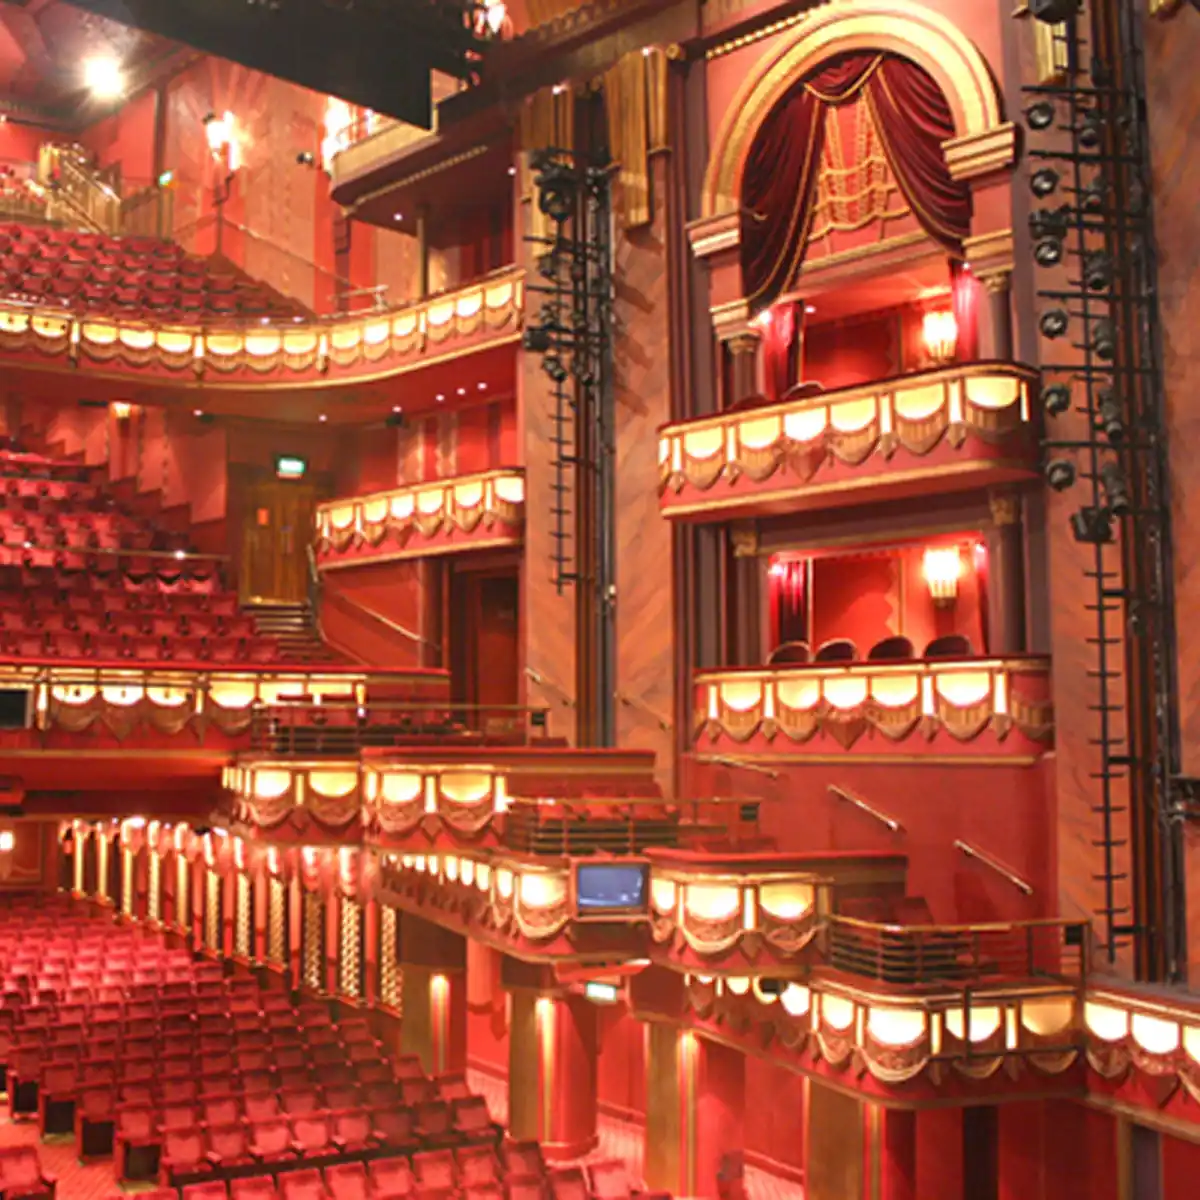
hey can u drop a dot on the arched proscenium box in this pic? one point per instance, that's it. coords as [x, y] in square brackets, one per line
[984, 143]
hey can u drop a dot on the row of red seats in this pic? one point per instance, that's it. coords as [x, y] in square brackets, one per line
[130, 623]
[22, 1176]
[49, 494]
[88, 242]
[107, 648]
[117, 592]
[23, 464]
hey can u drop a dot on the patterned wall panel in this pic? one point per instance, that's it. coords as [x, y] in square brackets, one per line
[212, 911]
[314, 942]
[243, 917]
[154, 887]
[391, 977]
[350, 952]
[277, 922]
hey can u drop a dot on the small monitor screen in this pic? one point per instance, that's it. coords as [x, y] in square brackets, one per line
[610, 887]
[14, 709]
[289, 466]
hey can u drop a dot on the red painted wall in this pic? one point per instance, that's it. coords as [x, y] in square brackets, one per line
[487, 1011]
[621, 1067]
[127, 137]
[1180, 1168]
[19, 143]
[775, 1112]
[1058, 1150]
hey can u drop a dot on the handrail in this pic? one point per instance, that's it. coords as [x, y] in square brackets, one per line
[564, 696]
[726, 760]
[633, 702]
[394, 626]
[863, 806]
[994, 864]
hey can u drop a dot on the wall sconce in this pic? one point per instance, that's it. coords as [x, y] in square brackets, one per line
[221, 133]
[491, 19]
[121, 410]
[943, 569]
[939, 330]
[7, 841]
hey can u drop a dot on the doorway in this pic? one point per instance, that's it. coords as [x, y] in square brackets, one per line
[276, 529]
[484, 651]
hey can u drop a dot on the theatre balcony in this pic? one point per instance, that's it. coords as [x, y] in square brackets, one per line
[447, 516]
[960, 707]
[952, 429]
[911, 1012]
[230, 354]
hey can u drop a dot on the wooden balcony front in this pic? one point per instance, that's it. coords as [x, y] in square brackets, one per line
[961, 707]
[954, 429]
[445, 516]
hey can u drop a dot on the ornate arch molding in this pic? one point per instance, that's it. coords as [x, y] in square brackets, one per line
[984, 142]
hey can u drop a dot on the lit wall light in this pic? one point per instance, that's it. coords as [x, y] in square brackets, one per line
[7, 841]
[221, 132]
[121, 410]
[943, 569]
[939, 331]
[104, 78]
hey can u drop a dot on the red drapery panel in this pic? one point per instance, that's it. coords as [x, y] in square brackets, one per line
[779, 184]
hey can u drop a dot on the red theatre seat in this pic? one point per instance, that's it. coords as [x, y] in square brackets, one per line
[229, 1147]
[184, 1156]
[211, 1189]
[271, 1140]
[137, 1143]
[254, 1187]
[21, 1175]
[348, 1181]
[302, 1185]
[392, 1179]
[568, 1183]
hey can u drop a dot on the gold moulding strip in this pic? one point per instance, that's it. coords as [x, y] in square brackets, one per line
[376, 339]
[915, 413]
[961, 696]
[462, 504]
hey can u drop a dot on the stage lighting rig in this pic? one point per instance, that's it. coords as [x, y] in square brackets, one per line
[1054, 323]
[1092, 525]
[1044, 182]
[1104, 340]
[1056, 399]
[1109, 416]
[1116, 490]
[1060, 474]
[1097, 270]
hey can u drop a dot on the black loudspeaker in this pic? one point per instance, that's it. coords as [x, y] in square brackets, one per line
[1053, 12]
[395, 421]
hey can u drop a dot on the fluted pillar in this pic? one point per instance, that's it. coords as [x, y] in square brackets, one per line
[747, 613]
[996, 326]
[1006, 575]
[743, 351]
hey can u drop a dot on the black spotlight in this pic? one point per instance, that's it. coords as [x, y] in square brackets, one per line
[557, 187]
[1043, 182]
[1091, 130]
[1048, 252]
[1104, 340]
[1053, 12]
[1060, 473]
[1109, 416]
[1116, 490]
[306, 158]
[536, 340]
[1050, 222]
[1053, 323]
[1093, 197]
[395, 420]
[1097, 271]
[1092, 526]
[553, 367]
[1056, 399]
[1040, 115]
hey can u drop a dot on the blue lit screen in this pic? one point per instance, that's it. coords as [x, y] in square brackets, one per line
[610, 887]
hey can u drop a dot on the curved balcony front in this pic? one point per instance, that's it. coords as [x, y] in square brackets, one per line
[230, 356]
[953, 429]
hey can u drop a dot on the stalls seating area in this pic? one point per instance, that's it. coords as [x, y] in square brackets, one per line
[895, 648]
[82, 578]
[128, 277]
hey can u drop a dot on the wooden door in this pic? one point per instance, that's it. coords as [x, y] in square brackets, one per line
[277, 529]
[484, 649]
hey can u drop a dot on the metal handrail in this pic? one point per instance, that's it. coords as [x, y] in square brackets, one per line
[566, 699]
[395, 626]
[727, 760]
[863, 806]
[994, 864]
[642, 706]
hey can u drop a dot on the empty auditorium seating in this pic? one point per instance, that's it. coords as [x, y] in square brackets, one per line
[21, 1175]
[138, 278]
[83, 579]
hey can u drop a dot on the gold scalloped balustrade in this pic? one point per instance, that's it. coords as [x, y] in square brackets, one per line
[873, 430]
[126, 702]
[442, 516]
[849, 705]
[360, 346]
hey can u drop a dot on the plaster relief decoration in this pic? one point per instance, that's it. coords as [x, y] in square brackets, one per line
[801, 704]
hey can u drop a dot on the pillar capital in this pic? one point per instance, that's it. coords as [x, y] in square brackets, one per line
[996, 281]
[1005, 508]
[744, 540]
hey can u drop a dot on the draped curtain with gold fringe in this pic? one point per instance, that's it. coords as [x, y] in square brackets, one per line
[547, 122]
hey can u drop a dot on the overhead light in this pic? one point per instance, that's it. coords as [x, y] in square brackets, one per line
[322, 417]
[440, 397]
[512, 170]
[197, 412]
[104, 78]
[482, 387]
[810, 309]
[1060, 474]
[396, 408]
[397, 216]
[462, 391]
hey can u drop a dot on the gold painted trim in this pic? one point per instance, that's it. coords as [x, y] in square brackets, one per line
[1189, 1131]
[748, 39]
[892, 760]
[928, 38]
[988, 253]
[881, 479]
[981, 153]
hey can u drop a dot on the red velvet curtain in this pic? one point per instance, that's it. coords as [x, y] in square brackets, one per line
[778, 332]
[912, 118]
[964, 294]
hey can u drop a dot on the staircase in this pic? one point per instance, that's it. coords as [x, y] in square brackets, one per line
[292, 626]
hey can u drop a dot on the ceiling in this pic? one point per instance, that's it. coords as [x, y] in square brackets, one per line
[43, 47]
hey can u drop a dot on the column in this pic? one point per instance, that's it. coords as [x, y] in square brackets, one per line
[892, 1152]
[1006, 575]
[434, 1027]
[552, 1072]
[742, 349]
[835, 1146]
[747, 614]
[695, 1113]
[995, 326]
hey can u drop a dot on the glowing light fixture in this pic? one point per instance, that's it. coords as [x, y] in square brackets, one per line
[599, 992]
[121, 410]
[221, 132]
[104, 78]
[943, 568]
[939, 331]
[7, 841]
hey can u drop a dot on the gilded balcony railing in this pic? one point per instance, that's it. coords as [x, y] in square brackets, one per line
[970, 413]
[435, 517]
[842, 702]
